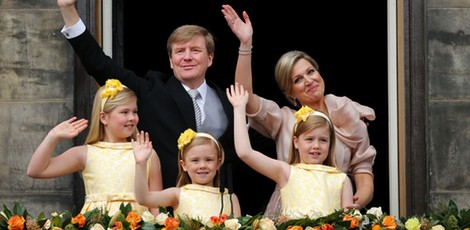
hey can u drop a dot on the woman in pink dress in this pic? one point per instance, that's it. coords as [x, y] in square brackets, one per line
[297, 75]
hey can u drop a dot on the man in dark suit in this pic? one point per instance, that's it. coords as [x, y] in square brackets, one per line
[165, 107]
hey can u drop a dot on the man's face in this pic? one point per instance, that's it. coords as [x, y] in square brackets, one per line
[190, 61]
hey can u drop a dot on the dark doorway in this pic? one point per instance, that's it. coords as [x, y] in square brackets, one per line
[348, 39]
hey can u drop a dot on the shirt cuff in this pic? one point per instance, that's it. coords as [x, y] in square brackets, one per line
[74, 30]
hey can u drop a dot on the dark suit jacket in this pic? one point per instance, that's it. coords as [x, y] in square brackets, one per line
[165, 108]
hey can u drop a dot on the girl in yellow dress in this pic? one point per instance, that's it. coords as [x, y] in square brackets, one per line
[106, 162]
[311, 184]
[197, 195]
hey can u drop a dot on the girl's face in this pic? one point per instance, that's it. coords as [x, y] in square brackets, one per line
[201, 163]
[313, 145]
[121, 122]
[307, 84]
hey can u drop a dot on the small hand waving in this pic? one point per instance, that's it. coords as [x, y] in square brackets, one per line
[70, 128]
[237, 95]
[142, 147]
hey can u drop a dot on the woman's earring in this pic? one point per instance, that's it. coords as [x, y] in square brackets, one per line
[294, 101]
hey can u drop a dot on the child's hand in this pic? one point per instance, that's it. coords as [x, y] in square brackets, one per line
[237, 95]
[69, 128]
[142, 147]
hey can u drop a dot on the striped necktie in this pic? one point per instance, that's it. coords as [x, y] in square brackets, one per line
[197, 111]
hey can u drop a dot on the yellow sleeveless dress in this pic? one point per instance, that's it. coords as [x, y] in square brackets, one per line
[200, 202]
[312, 191]
[109, 177]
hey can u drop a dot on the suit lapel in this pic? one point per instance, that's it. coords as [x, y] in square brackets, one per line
[183, 102]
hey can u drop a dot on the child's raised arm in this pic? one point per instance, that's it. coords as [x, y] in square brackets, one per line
[271, 168]
[143, 150]
[42, 165]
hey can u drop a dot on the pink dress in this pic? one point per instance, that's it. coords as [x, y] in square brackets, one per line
[354, 154]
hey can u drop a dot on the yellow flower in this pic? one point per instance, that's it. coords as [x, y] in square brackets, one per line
[267, 224]
[232, 224]
[112, 87]
[303, 113]
[185, 138]
[412, 224]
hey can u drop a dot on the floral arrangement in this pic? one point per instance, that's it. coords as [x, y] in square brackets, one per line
[444, 217]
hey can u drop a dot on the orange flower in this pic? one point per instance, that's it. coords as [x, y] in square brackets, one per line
[376, 227]
[353, 219]
[296, 227]
[218, 220]
[389, 222]
[16, 223]
[214, 220]
[80, 220]
[171, 223]
[118, 226]
[134, 219]
[223, 217]
[327, 227]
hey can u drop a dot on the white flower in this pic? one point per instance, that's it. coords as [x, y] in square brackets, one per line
[375, 211]
[148, 217]
[48, 224]
[97, 227]
[357, 214]
[266, 224]
[208, 223]
[160, 219]
[232, 224]
[438, 227]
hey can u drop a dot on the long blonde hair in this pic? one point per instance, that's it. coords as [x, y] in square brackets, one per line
[96, 132]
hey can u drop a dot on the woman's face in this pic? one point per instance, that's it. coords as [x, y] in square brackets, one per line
[308, 86]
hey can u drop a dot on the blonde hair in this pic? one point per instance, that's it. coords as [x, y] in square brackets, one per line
[283, 71]
[314, 120]
[187, 32]
[199, 139]
[96, 132]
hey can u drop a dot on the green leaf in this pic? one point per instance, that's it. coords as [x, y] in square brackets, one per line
[148, 226]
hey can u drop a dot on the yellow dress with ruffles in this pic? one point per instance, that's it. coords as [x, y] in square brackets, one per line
[109, 177]
[313, 191]
[200, 202]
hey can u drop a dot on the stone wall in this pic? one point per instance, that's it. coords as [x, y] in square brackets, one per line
[36, 93]
[448, 124]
